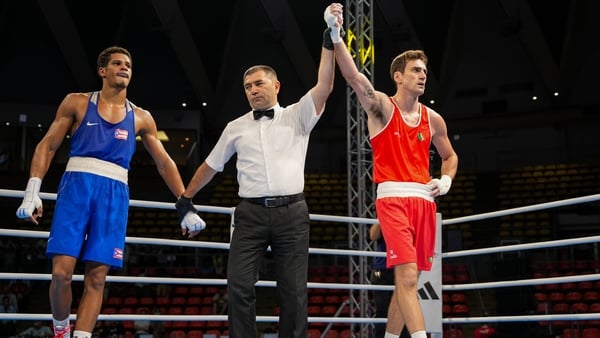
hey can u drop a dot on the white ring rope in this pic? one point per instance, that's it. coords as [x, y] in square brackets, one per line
[527, 246]
[529, 208]
[315, 217]
[274, 319]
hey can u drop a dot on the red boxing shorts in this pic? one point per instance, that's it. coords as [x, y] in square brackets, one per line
[408, 225]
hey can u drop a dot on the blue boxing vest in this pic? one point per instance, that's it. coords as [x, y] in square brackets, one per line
[98, 138]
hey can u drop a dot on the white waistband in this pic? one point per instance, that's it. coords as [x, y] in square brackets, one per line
[98, 167]
[403, 189]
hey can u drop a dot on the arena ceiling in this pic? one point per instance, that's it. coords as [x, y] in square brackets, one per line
[488, 59]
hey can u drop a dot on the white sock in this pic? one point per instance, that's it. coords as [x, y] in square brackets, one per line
[419, 334]
[81, 334]
[391, 335]
[61, 323]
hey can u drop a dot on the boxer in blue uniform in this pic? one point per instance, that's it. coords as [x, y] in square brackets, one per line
[95, 180]
[90, 215]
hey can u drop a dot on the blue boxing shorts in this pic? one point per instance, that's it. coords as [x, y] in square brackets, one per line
[90, 219]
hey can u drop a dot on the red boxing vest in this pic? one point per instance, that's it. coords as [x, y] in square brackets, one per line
[400, 151]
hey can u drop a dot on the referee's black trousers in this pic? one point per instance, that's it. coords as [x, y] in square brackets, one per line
[286, 230]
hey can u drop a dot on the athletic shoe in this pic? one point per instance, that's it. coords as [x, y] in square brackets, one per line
[62, 332]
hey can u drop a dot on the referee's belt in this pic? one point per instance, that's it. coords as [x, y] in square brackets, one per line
[276, 201]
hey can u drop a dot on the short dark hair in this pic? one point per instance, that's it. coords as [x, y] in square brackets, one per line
[400, 61]
[267, 69]
[104, 56]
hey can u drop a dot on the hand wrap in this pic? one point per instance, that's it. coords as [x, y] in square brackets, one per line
[334, 28]
[31, 200]
[188, 215]
[443, 184]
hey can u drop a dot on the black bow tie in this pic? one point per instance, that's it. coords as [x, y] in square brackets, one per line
[259, 113]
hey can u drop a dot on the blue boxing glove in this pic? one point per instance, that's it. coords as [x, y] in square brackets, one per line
[189, 220]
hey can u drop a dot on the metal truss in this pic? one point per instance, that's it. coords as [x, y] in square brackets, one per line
[358, 20]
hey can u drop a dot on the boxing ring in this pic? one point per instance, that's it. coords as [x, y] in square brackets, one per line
[432, 308]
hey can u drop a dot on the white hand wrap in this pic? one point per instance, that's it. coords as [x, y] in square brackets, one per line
[335, 35]
[332, 22]
[31, 200]
[329, 18]
[192, 222]
[443, 183]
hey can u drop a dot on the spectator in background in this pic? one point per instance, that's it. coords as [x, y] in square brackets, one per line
[206, 268]
[9, 256]
[37, 330]
[158, 326]
[142, 326]
[110, 329]
[220, 302]
[12, 297]
[163, 290]
[219, 265]
[8, 328]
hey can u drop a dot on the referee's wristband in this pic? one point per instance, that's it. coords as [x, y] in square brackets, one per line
[327, 42]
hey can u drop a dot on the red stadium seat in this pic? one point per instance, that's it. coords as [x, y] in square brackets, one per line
[557, 296]
[460, 309]
[314, 333]
[177, 334]
[332, 334]
[540, 296]
[591, 332]
[163, 300]
[191, 310]
[328, 310]
[458, 297]
[194, 334]
[573, 296]
[314, 310]
[316, 300]
[143, 310]
[561, 308]
[114, 300]
[130, 301]
[181, 325]
[543, 308]
[146, 300]
[196, 290]
[345, 334]
[446, 310]
[180, 290]
[109, 310]
[447, 278]
[212, 333]
[126, 310]
[591, 296]
[579, 307]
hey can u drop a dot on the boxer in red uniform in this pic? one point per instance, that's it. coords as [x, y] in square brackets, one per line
[401, 131]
